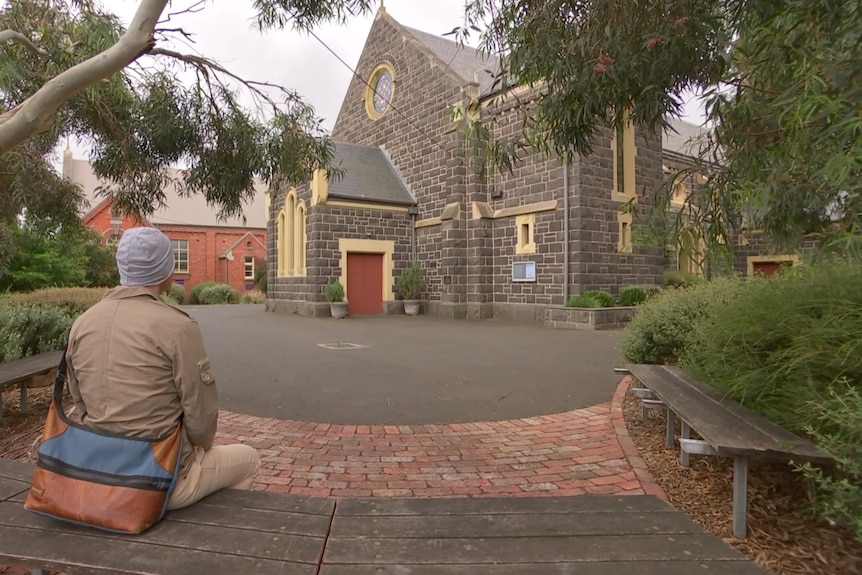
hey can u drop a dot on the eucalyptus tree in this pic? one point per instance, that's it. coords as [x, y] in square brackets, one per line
[69, 69]
[781, 82]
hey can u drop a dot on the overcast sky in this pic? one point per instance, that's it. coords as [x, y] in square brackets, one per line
[225, 31]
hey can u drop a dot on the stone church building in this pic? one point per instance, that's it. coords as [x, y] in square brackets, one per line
[510, 245]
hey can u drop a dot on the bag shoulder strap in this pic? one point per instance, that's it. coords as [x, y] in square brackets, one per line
[60, 378]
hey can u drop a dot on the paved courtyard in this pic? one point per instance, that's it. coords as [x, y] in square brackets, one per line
[398, 406]
[404, 370]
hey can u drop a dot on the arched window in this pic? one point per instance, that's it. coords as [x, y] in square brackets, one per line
[300, 239]
[281, 244]
[290, 252]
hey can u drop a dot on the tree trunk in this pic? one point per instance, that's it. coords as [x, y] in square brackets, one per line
[36, 113]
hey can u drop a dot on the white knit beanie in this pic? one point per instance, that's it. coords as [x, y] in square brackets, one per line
[144, 257]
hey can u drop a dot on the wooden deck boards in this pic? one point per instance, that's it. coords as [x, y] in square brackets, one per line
[251, 532]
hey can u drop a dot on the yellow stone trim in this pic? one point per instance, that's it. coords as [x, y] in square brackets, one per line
[526, 209]
[369, 90]
[385, 247]
[291, 242]
[361, 205]
[290, 232]
[300, 241]
[678, 193]
[451, 212]
[280, 247]
[525, 227]
[778, 258]
[626, 191]
[267, 203]
[429, 222]
[482, 210]
[319, 187]
[624, 243]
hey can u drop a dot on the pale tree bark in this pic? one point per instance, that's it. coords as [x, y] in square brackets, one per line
[36, 113]
[13, 36]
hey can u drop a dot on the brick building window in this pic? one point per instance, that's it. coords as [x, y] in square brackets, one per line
[181, 256]
[249, 268]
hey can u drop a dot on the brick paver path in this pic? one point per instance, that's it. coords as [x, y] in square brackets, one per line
[585, 451]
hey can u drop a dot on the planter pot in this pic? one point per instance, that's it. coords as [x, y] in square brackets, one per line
[412, 306]
[338, 309]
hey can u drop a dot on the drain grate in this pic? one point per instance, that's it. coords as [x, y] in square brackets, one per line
[341, 345]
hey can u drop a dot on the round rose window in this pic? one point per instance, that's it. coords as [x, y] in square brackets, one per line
[382, 92]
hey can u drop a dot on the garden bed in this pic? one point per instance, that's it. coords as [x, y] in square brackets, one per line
[588, 318]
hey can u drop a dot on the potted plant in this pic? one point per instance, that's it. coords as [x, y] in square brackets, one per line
[334, 292]
[410, 284]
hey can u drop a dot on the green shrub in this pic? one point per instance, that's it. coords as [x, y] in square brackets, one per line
[835, 425]
[606, 299]
[253, 297]
[633, 296]
[677, 278]
[260, 280]
[663, 324]
[31, 329]
[410, 283]
[218, 294]
[584, 300]
[176, 294]
[195, 297]
[781, 342]
[74, 301]
[334, 291]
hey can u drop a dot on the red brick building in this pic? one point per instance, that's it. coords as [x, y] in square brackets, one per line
[205, 249]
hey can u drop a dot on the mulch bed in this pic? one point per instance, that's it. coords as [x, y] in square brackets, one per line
[19, 430]
[783, 536]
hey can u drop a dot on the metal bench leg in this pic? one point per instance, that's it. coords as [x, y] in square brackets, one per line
[39, 572]
[23, 405]
[685, 433]
[740, 496]
[671, 425]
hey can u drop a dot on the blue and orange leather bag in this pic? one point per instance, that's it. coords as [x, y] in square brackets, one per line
[103, 480]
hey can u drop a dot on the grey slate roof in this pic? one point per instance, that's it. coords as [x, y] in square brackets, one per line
[684, 138]
[369, 176]
[465, 61]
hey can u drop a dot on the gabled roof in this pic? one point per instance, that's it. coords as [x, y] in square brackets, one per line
[369, 176]
[179, 209]
[467, 62]
[246, 236]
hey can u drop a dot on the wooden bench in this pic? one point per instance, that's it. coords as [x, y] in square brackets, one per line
[33, 371]
[727, 428]
[252, 532]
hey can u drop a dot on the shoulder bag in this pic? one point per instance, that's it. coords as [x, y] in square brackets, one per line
[99, 479]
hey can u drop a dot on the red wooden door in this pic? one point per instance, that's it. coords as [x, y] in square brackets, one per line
[365, 283]
[767, 268]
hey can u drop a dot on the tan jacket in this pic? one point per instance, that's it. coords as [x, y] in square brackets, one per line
[136, 365]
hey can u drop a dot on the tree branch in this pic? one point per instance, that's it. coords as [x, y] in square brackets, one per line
[193, 9]
[205, 65]
[36, 113]
[13, 36]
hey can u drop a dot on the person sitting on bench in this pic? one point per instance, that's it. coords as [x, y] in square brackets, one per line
[137, 366]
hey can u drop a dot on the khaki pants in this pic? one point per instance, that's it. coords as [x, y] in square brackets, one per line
[222, 466]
